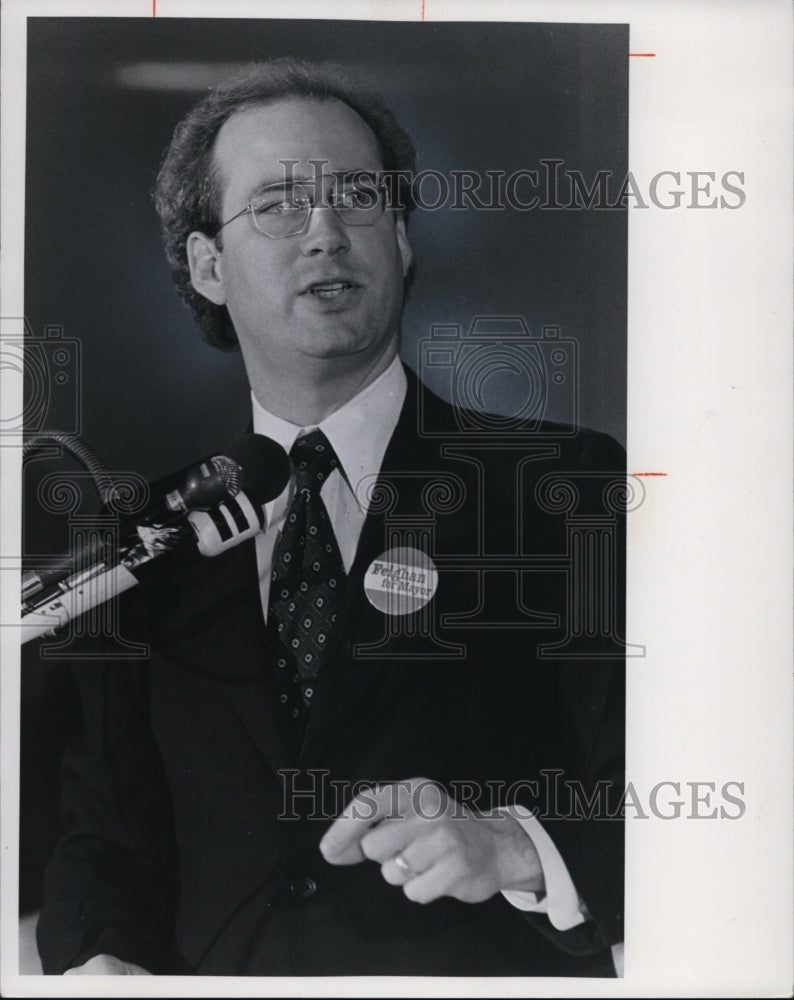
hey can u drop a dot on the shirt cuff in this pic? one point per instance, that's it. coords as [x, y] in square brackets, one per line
[561, 902]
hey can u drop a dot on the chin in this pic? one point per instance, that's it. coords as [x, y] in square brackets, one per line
[341, 344]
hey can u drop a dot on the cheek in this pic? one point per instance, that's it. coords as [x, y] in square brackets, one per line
[385, 258]
[255, 283]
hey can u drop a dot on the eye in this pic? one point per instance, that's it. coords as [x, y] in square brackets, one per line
[281, 203]
[357, 197]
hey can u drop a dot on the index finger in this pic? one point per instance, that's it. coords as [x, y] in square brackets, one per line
[341, 843]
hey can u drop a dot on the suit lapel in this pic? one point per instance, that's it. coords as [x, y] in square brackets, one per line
[219, 632]
[409, 464]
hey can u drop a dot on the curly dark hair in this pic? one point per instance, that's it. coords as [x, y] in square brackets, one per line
[187, 194]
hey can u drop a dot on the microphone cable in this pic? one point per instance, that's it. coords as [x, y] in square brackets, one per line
[78, 449]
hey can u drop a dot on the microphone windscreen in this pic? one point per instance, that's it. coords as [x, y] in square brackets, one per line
[265, 466]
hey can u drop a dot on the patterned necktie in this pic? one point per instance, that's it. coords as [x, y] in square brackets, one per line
[307, 580]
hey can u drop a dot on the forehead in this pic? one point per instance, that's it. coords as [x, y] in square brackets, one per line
[252, 143]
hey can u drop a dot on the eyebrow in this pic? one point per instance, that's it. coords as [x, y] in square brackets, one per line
[266, 186]
[287, 183]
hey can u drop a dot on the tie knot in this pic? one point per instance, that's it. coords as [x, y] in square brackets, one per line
[314, 459]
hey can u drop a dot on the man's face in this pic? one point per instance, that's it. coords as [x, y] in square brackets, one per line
[332, 293]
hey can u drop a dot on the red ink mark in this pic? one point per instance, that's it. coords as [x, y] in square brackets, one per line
[649, 473]
[642, 55]
[423, 10]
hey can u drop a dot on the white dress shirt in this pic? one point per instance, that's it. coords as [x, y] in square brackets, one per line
[359, 432]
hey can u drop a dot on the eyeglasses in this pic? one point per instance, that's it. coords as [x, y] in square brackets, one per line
[285, 209]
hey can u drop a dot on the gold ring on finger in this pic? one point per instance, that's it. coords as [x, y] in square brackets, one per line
[404, 867]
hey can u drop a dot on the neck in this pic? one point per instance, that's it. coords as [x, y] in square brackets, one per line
[317, 389]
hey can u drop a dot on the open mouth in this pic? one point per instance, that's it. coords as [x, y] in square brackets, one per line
[330, 289]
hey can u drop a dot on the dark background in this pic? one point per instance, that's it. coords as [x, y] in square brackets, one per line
[103, 96]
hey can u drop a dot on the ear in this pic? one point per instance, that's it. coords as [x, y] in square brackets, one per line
[206, 272]
[406, 253]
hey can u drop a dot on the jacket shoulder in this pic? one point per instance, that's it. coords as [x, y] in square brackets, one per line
[573, 446]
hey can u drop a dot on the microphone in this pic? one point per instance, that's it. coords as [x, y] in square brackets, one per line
[224, 498]
[254, 465]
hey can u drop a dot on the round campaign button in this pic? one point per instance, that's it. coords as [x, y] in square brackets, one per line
[401, 581]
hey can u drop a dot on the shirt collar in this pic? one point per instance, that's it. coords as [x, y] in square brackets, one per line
[358, 432]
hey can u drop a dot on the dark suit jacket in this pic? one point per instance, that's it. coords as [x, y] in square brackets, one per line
[191, 840]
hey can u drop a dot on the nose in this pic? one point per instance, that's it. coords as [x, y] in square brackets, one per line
[325, 233]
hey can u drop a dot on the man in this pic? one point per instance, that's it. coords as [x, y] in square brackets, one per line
[310, 775]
